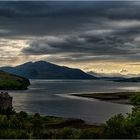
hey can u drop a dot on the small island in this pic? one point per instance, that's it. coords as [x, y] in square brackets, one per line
[12, 82]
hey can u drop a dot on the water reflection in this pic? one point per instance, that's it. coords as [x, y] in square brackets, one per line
[51, 97]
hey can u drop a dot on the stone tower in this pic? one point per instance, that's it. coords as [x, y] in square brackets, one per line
[5, 101]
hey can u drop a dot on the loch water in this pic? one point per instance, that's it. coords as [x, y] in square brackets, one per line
[53, 97]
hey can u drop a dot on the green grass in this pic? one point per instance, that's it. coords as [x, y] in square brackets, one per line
[10, 81]
[21, 126]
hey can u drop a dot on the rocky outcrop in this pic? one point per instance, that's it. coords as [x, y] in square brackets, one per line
[5, 101]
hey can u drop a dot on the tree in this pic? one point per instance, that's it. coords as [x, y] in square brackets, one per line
[125, 127]
[135, 99]
[37, 125]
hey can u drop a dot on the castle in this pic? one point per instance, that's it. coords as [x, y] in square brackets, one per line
[5, 101]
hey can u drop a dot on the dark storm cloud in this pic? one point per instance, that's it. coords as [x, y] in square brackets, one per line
[114, 9]
[43, 18]
[54, 9]
[110, 45]
[94, 45]
[76, 31]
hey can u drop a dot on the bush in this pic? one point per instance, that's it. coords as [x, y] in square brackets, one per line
[13, 134]
[91, 133]
[115, 127]
[23, 114]
[135, 99]
[67, 133]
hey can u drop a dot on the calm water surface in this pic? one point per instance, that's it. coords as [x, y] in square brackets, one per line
[51, 97]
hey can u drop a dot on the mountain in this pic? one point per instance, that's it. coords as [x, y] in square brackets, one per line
[110, 77]
[116, 77]
[11, 82]
[45, 70]
[133, 79]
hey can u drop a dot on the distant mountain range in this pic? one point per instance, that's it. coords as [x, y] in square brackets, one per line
[103, 76]
[115, 77]
[45, 70]
[133, 79]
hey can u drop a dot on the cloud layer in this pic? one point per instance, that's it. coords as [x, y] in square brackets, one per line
[71, 32]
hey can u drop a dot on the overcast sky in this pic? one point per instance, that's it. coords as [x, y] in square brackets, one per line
[94, 36]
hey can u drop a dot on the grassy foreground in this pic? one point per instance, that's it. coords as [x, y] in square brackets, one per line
[23, 126]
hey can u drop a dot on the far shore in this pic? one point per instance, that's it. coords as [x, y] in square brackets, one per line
[116, 97]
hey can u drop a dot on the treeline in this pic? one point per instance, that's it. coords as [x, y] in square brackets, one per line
[120, 127]
[24, 126]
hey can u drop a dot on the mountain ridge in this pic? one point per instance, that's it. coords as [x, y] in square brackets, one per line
[116, 77]
[47, 70]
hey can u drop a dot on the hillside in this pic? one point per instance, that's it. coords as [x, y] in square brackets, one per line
[133, 79]
[103, 76]
[116, 77]
[45, 70]
[12, 82]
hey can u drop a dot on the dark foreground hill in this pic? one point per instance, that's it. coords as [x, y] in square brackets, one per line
[45, 70]
[11, 82]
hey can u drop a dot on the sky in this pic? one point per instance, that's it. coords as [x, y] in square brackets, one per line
[98, 36]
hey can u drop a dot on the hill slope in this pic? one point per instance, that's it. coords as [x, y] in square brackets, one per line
[133, 79]
[45, 70]
[10, 81]
[104, 76]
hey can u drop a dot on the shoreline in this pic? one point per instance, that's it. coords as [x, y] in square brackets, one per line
[116, 97]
